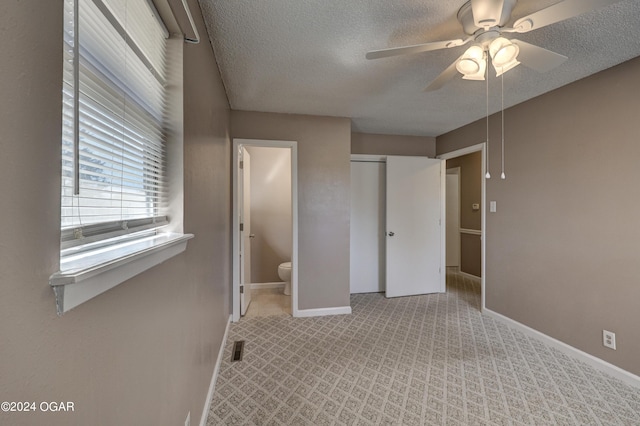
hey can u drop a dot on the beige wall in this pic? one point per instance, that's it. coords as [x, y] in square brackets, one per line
[471, 254]
[470, 193]
[562, 253]
[142, 353]
[323, 198]
[270, 212]
[366, 143]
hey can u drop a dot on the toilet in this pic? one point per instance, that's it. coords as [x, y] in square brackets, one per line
[284, 272]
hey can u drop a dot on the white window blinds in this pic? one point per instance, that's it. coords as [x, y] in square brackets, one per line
[113, 140]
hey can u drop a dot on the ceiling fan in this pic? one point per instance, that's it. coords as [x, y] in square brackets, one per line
[483, 21]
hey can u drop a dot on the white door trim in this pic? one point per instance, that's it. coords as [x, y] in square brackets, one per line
[293, 145]
[459, 153]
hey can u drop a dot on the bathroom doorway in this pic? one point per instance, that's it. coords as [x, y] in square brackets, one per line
[262, 246]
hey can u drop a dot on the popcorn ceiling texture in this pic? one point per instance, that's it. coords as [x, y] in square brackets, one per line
[307, 57]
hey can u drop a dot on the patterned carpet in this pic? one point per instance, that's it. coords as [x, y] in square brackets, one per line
[422, 360]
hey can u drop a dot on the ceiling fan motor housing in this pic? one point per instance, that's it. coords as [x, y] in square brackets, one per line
[475, 15]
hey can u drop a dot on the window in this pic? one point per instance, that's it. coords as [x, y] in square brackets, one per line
[113, 144]
[114, 136]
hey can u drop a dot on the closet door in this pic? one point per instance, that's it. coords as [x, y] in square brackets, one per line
[367, 227]
[415, 226]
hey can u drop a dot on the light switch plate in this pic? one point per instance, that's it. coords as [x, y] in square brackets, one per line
[492, 206]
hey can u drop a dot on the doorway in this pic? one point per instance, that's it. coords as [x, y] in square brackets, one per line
[468, 233]
[242, 234]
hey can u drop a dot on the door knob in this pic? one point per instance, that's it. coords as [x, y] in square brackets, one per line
[252, 235]
[391, 234]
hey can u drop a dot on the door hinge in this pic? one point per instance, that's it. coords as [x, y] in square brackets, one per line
[241, 164]
[241, 227]
[241, 289]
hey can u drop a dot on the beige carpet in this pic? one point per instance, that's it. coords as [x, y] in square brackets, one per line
[422, 360]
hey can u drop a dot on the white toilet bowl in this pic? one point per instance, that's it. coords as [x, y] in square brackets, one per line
[284, 272]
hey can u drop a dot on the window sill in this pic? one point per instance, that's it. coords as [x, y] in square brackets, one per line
[84, 276]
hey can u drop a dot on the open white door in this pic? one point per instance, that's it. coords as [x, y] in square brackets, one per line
[244, 187]
[415, 228]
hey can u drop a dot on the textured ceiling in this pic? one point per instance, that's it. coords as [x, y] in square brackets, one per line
[308, 57]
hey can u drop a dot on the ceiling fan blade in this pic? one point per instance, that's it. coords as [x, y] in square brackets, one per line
[558, 12]
[443, 78]
[537, 58]
[416, 48]
[486, 13]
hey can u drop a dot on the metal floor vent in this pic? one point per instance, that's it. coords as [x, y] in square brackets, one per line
[238, 347]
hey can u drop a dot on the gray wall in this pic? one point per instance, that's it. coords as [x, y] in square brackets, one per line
[142, 353]
[270, 212]
[470, 193]
[367, 143]
[323, 198]
[562, 248]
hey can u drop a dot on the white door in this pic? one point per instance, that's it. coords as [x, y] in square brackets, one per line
[415, 238]
[244, 187]
[367, 227]
[453, 217]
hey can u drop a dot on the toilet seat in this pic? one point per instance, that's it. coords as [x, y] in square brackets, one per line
[285, 265]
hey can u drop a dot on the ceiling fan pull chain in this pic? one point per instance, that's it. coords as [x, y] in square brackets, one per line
[487, 175]
[502, 176]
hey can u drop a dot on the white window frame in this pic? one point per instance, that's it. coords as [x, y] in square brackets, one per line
[94, 267]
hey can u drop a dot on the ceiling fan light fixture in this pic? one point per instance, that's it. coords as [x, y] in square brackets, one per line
[503, 52]
[468, 66]
[504, 55]
[472, 64]
[479, 75]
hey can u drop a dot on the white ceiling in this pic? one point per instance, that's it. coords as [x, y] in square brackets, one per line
[308, 57]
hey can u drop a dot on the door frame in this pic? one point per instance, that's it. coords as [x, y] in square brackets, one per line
[483, 240]
[235, 222]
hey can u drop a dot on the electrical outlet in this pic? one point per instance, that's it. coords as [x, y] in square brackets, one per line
[609, 339]
[187, 422]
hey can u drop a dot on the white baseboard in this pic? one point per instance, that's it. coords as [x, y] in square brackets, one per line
[319, 312]
[604, 366]
[214, 377]
[257, 286]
